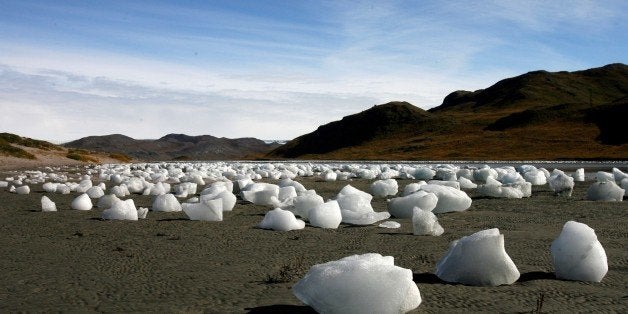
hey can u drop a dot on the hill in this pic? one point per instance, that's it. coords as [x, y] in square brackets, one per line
[537, 115]
[175, 147]
[17, 152]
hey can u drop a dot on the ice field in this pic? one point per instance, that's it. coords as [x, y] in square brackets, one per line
[418, 201]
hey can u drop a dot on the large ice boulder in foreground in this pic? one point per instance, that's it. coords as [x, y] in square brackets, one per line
[325, 215]
[206, 210]
[166, 203]
[383, 188]
[605, 191]
[281, 220]
[578, 255]
[478, 260]
[401, 207]
[368, 283]
[121, 210]
[47, 205]
[424, 222]
[561, 184]
[82, 202]
[356, 209]
[449, 199]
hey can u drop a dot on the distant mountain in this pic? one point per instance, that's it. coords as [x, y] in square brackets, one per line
[175, 147]
[537, 115]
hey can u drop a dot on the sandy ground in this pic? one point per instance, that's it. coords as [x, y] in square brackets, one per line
[73, 261]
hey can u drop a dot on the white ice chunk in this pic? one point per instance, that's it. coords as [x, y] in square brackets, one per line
[166, 203]
[326, 215]
[479, 259]
[602, 176]
[95, 192]
[47, 205]
[424, 222]
[578, 176]
[302, 204]
[449, 199]
[368, 283]
[466, 183]
[561, 184]
[281, 220]
[23, 190]
[206, 210]
[402, 207]
[605, 191]
[82, 202]
[578, 255]
[383, 188]
[390, 225]
[453, 184]
[412, 187]
[121, 210]
[142, 212]
[355, 206]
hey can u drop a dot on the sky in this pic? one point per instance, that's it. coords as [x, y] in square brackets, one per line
[273, 69]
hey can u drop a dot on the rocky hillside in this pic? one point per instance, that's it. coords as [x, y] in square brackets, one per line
[175, 147]
[537, 115]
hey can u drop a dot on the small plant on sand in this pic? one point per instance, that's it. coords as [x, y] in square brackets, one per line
[287, 272]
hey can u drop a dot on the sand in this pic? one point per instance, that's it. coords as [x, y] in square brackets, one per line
[73, 261]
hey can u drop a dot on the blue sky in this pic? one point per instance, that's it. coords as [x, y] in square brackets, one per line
[273, 69]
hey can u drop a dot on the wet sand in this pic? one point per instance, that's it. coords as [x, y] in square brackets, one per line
[73, 261]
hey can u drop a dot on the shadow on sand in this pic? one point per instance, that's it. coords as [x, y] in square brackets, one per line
[280, 308]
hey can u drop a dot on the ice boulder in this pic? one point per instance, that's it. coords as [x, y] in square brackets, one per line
[494, 188]
[63, 189]
[106, 201]
[22, 190]
[82, 202]
[50, 187]
[47, 205]
[578, 255]
[166, 203]
[95, 192]
[302, 204]
[466, 183]
[326, 215]
[619, 175]
[479, 259]
[624, 184]
[390, 225]
[561, 184]
[120, 210]
[536, 177]
[281, 220]
[368, 283]
[402, 207]
[4, 184]
[578, 176]
[412, 187]
[605, 191]
[142, 212]
[206, 210]
[424, 222]
[356, 209]
[330, 176]
[383, 188]
[603, 176]
[228, 199]
[261, 194]
[453, 184]
[449, 199]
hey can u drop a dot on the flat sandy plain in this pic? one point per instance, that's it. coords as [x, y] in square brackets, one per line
[72, 261]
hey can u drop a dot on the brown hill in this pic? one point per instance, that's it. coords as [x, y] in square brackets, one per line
[354, 130]
[175, 147]
[17, 152]
[537, 115]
